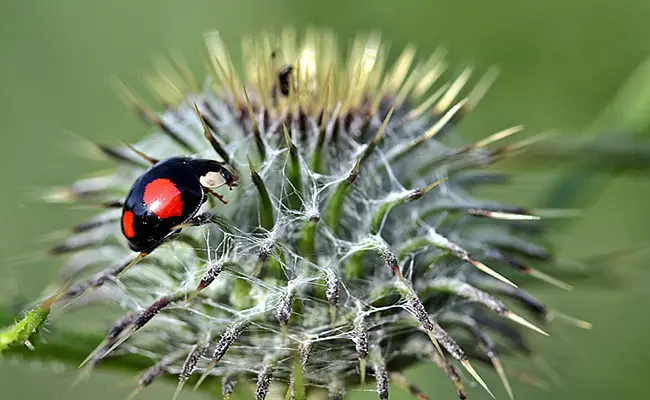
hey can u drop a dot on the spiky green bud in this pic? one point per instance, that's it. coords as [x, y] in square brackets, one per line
[352, 246]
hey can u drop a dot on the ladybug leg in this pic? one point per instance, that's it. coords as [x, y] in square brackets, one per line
[197, 220]
[137, 259]
[218, 196]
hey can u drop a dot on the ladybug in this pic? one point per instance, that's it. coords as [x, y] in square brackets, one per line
[168, 196]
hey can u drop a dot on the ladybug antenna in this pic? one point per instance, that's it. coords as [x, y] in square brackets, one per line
[141, 154]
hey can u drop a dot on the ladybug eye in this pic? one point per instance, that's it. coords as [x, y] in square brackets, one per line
[227, 175]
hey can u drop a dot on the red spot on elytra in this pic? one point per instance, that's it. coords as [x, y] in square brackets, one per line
[163, 198]
[127, 224]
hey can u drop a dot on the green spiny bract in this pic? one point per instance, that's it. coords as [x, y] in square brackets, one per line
[352, 245]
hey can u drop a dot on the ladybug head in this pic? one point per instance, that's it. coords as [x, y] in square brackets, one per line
[213, 174]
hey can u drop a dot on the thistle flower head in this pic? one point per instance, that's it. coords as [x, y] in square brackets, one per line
[351, 246]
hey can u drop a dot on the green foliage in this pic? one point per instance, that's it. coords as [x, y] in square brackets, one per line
[617, 142]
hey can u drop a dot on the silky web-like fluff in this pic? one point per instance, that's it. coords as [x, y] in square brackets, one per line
[352, 247]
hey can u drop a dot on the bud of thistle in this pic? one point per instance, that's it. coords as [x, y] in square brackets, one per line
[334, 237]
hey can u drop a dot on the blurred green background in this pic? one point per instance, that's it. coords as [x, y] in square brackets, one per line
[562, 62]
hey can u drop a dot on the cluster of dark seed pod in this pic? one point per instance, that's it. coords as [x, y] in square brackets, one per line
[352, 246]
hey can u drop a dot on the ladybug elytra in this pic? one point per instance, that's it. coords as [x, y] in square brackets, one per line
[169, 195]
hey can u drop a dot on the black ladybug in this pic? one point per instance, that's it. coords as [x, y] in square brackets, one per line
[169, 195]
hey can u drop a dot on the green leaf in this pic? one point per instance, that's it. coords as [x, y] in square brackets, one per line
[267, 218]
[627, 117]
[293, 173]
